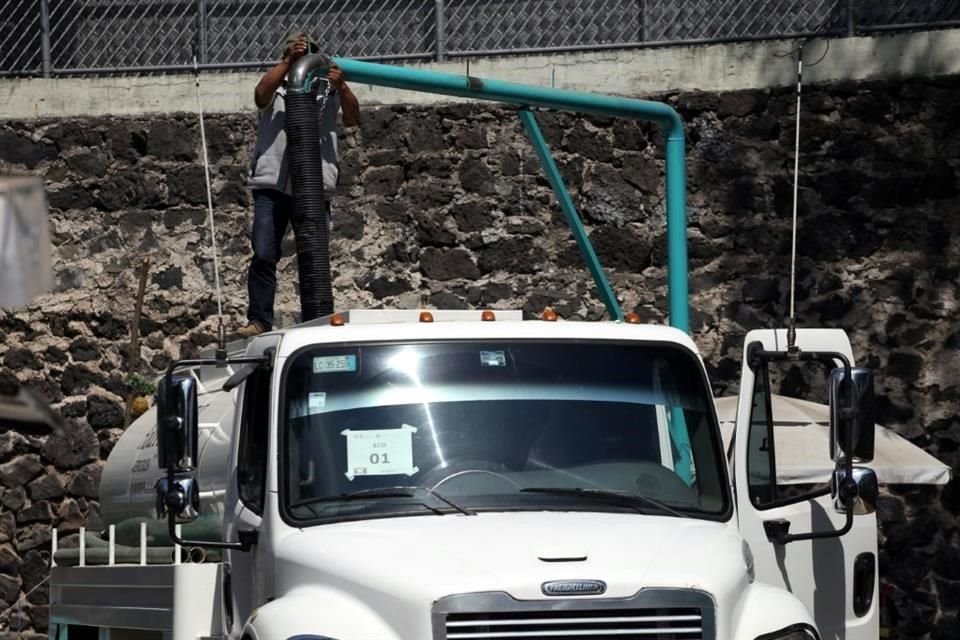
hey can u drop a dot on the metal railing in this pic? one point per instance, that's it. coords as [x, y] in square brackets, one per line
[70, 37]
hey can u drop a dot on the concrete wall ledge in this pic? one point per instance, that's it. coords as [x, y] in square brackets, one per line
[631, 72]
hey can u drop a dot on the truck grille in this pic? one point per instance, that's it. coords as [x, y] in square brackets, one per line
[662, 624]
[663, 614]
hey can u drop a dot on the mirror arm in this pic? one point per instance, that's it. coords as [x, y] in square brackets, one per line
[756, 355]
[247, 538]
[184, 364]
[781, 537]
[777, 531]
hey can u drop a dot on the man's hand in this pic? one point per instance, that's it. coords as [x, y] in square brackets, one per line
[335, 76]
[296, 52]
[348, 101]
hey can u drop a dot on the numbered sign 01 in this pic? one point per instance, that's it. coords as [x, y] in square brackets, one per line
[380, 452]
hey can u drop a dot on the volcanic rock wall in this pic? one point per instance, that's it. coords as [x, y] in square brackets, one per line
[446, 207]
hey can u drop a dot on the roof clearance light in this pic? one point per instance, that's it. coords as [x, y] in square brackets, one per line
[426, 316]
[337, 320]
[488, 316]
[549, 315]
[633, 317]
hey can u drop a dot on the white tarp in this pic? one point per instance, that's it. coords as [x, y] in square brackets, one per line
[28, 408]
[802, 438]
[24, 273]
[25, 270]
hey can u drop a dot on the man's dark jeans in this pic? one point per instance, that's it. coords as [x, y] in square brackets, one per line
[272, 211]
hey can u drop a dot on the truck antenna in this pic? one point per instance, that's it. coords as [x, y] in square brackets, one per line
[221, 350]
[792, 323]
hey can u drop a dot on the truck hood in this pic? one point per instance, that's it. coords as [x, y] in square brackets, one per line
[417, 560]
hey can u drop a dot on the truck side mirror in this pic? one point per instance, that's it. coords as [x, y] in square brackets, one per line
[852, 410]
[177, 428]
[864, 485]
[180, 498]
[177, 451]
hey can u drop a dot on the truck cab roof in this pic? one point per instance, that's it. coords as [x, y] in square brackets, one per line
[410, 325]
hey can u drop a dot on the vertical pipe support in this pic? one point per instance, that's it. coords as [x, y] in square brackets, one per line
[677, 284]
[440, 26]
[851, 19]
[45, 38]
[53, 546]
[112, 545]
[677, 229]
[202, 26]
[570, 212]
[83, 547]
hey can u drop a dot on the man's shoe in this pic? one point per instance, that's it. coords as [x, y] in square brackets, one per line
[252, 329]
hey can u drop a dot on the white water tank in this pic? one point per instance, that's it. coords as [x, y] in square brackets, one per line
[131, 471]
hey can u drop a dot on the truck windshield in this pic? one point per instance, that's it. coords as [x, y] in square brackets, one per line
[480, 424]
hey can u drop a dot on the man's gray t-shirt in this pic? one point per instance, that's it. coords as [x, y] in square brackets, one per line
[269, 166]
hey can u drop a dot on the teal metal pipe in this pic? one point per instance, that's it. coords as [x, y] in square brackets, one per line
[677, 286]
[570, 211]
[310, 68]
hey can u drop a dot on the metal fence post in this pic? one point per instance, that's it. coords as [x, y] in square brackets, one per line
[202, 31]
[643, 20]
[851, 19]
[439, 34]
[45, 37]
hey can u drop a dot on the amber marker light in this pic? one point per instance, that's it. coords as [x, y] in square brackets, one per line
[426, 316]
[633, 317]
[488, 316]
[337, 320]
[549, 315]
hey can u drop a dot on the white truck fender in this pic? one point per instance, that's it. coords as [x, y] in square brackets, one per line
[316, 615]
[764, 609]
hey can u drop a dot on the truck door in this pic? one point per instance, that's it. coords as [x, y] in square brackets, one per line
[245, 502]
[836, 578]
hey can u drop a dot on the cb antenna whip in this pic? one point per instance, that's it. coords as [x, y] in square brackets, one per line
[792, 324]
[221, 351]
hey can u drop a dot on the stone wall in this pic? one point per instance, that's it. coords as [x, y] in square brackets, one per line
[446, 207]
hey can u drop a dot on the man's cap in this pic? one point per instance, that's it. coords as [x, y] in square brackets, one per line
[291, 39]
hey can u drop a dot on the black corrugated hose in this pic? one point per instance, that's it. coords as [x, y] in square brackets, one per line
[310, 225]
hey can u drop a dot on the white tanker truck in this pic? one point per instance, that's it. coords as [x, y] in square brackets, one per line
[455, 475]
[406, 475]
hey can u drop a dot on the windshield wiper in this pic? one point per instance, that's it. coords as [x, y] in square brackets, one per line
[385, 492]
[633, 500]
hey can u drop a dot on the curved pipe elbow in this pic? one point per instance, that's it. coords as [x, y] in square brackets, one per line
[673, 125]
[302, 74]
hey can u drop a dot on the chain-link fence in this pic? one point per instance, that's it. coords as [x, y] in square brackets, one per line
[63, 37]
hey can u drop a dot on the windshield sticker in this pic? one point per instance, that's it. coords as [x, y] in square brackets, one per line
[316, 401]
[334, 364]
[380, 452]
[493, 359]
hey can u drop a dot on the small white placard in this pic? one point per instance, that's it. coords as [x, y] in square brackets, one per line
[493, 359]
[380, 452]
[316, 401]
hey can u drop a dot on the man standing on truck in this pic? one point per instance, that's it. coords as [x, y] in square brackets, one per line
[269, 177]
